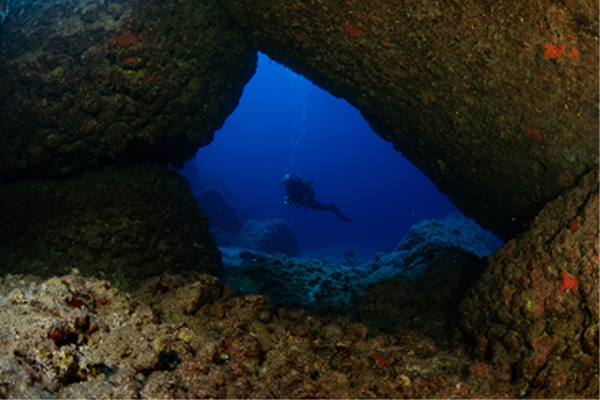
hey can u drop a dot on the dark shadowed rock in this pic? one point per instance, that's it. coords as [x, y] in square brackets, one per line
[114, 82]
[273, 236]
[122, 224]
[428, 302]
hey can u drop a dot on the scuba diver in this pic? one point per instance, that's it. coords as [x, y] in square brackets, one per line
[299, 192]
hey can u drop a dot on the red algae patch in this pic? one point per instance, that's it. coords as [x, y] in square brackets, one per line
[568, 282]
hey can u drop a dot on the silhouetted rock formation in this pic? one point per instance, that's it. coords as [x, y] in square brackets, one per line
[431, 237]
[219, 210]
[273, 236]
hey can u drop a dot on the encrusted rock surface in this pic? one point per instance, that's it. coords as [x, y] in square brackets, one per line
[535, 309]
[73, 337]
[114, 82]
[124, 224]
[496, 102]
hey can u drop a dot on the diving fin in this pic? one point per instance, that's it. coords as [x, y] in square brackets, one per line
[338, 213]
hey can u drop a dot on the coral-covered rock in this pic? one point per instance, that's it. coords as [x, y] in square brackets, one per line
[114, 82]
[73, 338]
[244, 348]
[536, 305]
[273, 236]
[205, 290]
[125, 224]
[496, 105]
[168, 292]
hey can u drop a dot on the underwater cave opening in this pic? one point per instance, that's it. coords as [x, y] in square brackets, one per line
[285, 124]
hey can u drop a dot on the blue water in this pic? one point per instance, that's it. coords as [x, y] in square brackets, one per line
[284, 124]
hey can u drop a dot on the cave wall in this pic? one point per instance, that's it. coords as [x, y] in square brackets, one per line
[114, 82]
[90, 93]
[496, 102]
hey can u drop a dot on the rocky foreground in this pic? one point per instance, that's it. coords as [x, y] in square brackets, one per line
[74, 337]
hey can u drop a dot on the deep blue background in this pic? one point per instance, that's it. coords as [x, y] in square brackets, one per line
[283, 124]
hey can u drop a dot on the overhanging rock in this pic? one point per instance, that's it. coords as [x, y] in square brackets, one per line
[114, 82]
[495, 102]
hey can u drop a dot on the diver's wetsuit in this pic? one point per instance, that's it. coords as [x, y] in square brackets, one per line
[299, 192]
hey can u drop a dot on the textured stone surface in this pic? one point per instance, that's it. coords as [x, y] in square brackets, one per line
[535, 308]
[114, 82]
[72, 337]
[496, 102]
[120, 223]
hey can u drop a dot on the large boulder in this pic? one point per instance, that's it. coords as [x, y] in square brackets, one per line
[123, 224]
[497, 103]
[430, 238]
[535, 309]
[114, 82]
[273, 236]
